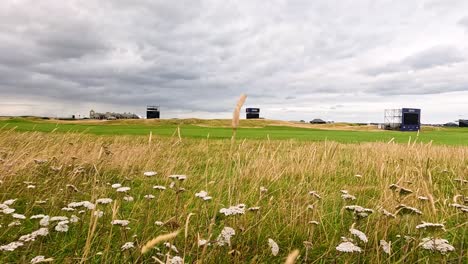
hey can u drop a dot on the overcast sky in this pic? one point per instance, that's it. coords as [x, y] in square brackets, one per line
[295, 59]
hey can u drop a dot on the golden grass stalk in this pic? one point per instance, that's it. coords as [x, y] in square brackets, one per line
[291, 259]
[153, 242]
[236, 114]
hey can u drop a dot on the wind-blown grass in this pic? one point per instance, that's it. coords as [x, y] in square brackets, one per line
[66, 168]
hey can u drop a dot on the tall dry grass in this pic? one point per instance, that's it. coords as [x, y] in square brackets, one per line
[231, 174]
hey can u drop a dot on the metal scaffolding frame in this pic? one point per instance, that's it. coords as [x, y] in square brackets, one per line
[392, 118]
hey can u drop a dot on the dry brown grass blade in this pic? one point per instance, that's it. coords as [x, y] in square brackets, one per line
[153, 242]
[291, 259]
[236, 114]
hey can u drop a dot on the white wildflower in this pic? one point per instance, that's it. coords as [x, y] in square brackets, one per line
[348, 247]
[86, 204]
[159, 223]
[347, 196]
[58, 218]
[31, 237]
[159, 187]
[172, 185]
[62, 226]
[176, 260]
[12, 246]
[128, 198]
[38, 216]
[387, 213]
[44, 221]
[41, 259]
[18, 216]
[225, 236]
[430, 226]
[274, 247]
[116, 185]
[358, 176]
[123, 189]
[404, 209]
[263, 189]
[9, 202]
[386, 246]
[359, 234]
[149, 196]
[423, 198]
[8, 210]
[203, 195]
[120, 222]
[314, 193]
[344, 191]
[462, 207]
[233, 210]
[128, 245]
[359, 211]
[15, 223]
[310, 207]
[436, 244]
[104, 201]
[68, 209]
[31, 186]
[150, 173]
[98, 213]
[460, 180]
[171, 246]
[178, 177]
[74, 219]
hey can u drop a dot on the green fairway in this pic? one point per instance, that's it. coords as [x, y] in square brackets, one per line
[448, 136]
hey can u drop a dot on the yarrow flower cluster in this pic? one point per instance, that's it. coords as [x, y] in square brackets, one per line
[150, 173]
[178, 177]
[41, 259]
[386, 246]
[104, 201]
[404, 209]
[359, 211]
[123, 189]
[348, 247]
[120, 222]
[128, 245]
[225, 237]
[274, 247]
[359, 234]
[203, 195]
[233, 210]
[86, 204]
[430, 226]
[436, 244]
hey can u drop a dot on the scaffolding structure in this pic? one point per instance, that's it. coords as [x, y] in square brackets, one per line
[393, 119]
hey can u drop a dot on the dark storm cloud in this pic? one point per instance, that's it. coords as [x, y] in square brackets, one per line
[200, 55]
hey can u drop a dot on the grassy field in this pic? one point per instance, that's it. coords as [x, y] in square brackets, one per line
[250, 129]
[293, 183]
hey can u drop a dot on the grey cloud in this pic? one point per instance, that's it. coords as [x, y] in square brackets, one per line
[432, 57]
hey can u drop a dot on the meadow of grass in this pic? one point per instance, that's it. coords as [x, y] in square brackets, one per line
[45, 172]
[249, 129]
